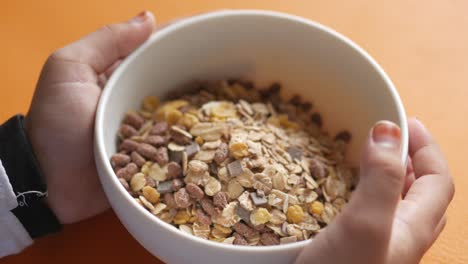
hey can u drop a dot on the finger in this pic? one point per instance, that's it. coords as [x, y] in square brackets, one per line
[366, 221]
[112, 68]
[382, 174]
[410, 178]
[102, 48]
[428, 197]
[440, 227]
[424, 151]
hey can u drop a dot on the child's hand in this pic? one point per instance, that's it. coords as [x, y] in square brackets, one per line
[60, 122]
[391, 218]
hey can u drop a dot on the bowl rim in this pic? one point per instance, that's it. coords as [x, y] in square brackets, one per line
[100, 156]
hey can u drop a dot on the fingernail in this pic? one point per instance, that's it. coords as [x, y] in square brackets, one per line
[387, 134]
[140, 18]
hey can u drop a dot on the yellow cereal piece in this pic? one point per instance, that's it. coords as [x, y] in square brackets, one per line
[285, 122]
[193, 219]
[295, 214]
[260, 216]
[151, 194]
[182, 217]
[150, 103]
[189, 120]
[239, 149]
[176, 104]
[172, 116]
[146, 167]
[316, 208]
[137, 182]
[199, 140]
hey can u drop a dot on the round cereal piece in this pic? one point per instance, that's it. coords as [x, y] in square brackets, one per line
[316, 208]
[295, 214]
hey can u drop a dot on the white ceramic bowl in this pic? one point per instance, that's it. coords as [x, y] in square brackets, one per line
[345, 84]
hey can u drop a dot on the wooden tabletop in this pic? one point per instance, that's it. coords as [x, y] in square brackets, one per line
[422, 45]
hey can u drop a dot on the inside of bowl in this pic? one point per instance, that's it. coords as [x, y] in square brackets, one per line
[344, 86]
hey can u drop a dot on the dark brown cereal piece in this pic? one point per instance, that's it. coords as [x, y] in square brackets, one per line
[344, 136]
[260, 228]
[203, 218]
[146, 150]
[192, 149]
[173, 170]
[150, 181]
[169, 200]
[220, 199]
[119, 160]
[316, 118]
[221, 153]
[159, 128]
[165, 187]
[244, 230]
[195, 191]
[269, 239]
[213, 168]
[177, 184]
[306, 106]
[239, 240]
[296, 100]
[128, 171]
[178, 135]
[124, 184]
[235, 168]
[134, 119]
[156, 140]
[318, 169]
[129, 145]
[161, 156]
[127, 131]
[137, 159]
[182, 198]
[208, 207]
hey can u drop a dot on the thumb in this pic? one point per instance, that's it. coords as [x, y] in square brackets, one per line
[382, 174]
[102, 48]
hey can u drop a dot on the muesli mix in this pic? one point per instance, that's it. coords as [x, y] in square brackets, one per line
[230, 163]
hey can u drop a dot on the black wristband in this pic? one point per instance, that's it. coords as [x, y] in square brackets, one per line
[26, 179]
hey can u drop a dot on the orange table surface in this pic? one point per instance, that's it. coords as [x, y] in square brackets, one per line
[423, 46]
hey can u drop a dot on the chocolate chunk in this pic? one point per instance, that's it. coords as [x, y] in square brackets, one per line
[243, 213]
[176, 155]
[295, 153]
[192, 149]
[235, 168]
[257, 199]
[165, 187]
